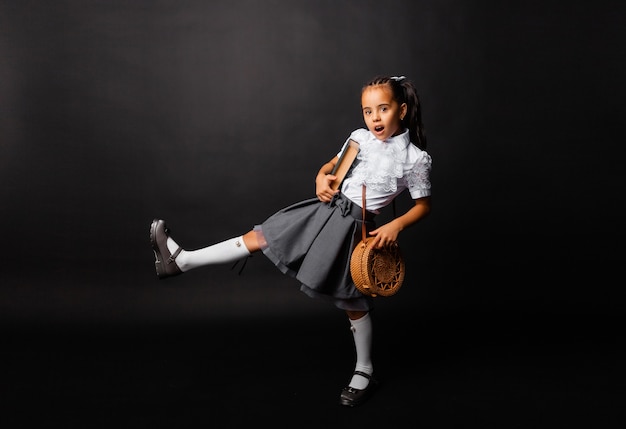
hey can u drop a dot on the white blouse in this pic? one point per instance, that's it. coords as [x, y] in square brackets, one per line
[386, 168]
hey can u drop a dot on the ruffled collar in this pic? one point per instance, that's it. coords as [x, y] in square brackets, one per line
[381, 162]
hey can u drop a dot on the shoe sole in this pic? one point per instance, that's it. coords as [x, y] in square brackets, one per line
[158, 265]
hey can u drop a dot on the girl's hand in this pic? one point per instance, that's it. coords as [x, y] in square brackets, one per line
[322, 187]
[388, 233]
[385, 235]
[323, 180]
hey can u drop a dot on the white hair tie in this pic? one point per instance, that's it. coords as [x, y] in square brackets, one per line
[398, 78]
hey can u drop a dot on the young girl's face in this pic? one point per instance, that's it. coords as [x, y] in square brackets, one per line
[382, 114]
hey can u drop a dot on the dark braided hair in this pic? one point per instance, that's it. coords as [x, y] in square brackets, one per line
[404, 91]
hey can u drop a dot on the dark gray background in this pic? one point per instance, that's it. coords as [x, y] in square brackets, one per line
[212, 115]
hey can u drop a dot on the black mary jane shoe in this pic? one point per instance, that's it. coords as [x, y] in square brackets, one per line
[164, 262]
[351, 397]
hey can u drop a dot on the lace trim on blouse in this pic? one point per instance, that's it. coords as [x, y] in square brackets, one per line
[381, 164]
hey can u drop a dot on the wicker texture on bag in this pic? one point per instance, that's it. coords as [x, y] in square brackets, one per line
[376, 271]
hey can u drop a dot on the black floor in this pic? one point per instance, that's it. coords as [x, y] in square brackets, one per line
[436, 371]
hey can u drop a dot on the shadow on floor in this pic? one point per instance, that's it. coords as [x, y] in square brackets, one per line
[289, 372]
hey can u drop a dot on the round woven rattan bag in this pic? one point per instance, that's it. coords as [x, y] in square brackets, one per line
[377, 271]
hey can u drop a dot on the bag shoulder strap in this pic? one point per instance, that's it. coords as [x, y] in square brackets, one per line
[363, 213]
[393, 206]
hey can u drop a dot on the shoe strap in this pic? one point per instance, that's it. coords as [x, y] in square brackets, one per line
[363, 374]
[174, 255]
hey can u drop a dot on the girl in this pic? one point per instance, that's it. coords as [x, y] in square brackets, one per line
[313, 240]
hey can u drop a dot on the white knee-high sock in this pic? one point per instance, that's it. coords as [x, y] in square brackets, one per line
[230, 250]
[362, 333]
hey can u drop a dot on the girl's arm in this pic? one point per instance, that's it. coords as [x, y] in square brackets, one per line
[323, 180]
[388, 233]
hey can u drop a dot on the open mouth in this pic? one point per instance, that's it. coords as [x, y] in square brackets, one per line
[379, 128]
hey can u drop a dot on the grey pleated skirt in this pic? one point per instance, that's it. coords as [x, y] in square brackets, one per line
[312, 241]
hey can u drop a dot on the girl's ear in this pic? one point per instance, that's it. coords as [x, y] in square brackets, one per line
[403, 109]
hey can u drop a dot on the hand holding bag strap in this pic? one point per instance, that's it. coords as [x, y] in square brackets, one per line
[376, 271]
